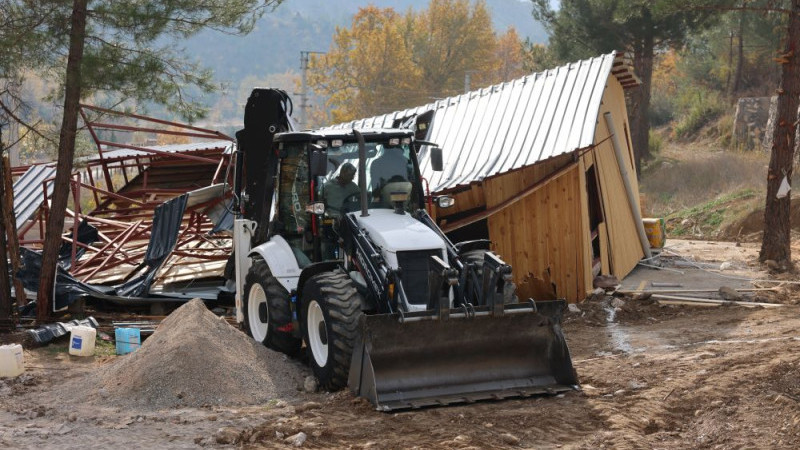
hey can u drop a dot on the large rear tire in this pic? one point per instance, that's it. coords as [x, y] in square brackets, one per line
[331, 311]
[267, 308]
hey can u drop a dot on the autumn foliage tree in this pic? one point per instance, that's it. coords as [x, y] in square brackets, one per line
[386, 61]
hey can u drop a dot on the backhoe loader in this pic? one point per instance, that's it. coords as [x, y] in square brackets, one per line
[336, 254]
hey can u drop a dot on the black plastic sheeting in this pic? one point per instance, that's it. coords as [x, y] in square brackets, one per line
[163, 237]
[87, 235]
[166, 226]
[68, 288]
[52, 331]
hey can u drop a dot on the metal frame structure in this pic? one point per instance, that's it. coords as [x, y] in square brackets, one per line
[126, 183]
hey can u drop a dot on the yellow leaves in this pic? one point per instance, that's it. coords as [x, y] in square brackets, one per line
[386, 61]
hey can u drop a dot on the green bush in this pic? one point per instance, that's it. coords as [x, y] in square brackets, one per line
[654, 142]
[701, 107]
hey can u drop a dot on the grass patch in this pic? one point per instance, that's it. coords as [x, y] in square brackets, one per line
[671, 186]
[104, 348]
[707, 219]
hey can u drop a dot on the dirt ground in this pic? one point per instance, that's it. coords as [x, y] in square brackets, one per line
[651, 376]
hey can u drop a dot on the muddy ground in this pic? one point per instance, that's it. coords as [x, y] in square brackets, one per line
[653, 377]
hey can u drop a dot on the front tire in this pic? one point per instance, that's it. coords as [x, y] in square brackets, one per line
[331, 311]
[267, 308]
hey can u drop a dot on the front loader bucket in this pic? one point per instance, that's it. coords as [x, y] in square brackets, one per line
[399, 364]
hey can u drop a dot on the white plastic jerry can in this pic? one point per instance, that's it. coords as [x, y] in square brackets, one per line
[11, 361]
[82, 340]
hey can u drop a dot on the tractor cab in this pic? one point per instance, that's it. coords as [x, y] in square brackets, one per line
[319, 182]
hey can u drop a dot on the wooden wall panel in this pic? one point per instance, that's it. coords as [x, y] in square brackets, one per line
[542, 232]
[624, 250]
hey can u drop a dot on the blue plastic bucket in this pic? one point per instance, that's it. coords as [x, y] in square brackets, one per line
[127, 340]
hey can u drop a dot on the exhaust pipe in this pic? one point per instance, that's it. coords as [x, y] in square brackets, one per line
[362, 171]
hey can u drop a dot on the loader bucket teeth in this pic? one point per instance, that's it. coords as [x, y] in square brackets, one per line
[402, 364]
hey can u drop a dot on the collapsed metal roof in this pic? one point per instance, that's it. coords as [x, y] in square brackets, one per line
[29, 191]
[513, 124]
[171, 148]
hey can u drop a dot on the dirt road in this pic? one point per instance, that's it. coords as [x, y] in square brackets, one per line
[672, 377]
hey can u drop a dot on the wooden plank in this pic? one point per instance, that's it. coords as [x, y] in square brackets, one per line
[605, 267]
[693, 301]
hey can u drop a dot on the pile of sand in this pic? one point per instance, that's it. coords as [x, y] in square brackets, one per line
[195, 358]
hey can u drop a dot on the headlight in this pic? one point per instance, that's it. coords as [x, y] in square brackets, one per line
[445, 201]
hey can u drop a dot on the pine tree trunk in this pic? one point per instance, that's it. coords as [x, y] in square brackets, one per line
[737, 78]
[66, 151]
[640, 122]
[776, 244]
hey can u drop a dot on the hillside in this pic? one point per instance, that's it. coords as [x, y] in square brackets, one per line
[270, 55]
[296, 25]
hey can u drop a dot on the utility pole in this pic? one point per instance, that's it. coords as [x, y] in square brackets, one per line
[468, 79]
[304, 58]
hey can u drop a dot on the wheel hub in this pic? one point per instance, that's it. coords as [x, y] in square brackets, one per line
[257, 313]
[317, 333]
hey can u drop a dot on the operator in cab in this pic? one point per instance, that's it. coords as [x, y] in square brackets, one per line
[339, 188]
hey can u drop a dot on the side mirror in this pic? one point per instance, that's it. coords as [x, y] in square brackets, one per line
[436, 159]
[318, 162]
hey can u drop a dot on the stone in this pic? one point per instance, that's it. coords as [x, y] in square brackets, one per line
[72, 417]
[573, 308]
[730, 294]
[296, 440]
[279, 435]
[617, 302]
[509, 439]
[726, 266]
[772, 264]
[227, 435]
[308, 406]
[310, 384]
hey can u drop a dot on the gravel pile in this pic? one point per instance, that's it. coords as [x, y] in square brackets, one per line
[195, 358]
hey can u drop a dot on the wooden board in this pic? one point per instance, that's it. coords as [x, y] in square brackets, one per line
[541, 234]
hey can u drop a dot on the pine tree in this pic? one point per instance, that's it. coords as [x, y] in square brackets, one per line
[122, 50]
[585, 28]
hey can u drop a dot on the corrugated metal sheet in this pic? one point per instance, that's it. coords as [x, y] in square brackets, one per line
[28, 192]
[172, 148]
[514, 124]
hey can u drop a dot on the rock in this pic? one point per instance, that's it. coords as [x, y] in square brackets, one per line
[256, 437]
[730, 294]
[634, 384]
[617, 302]
[310, 384]
[279, 435]
[619, 392]
[573, 308]
[308, 406]
[72, 417]
[687, 223]
[296, 439]
[509, 439]
[227, 435]
[772, 264]
[605, 281]
[725, 266]
[40, 411]
[102, 392]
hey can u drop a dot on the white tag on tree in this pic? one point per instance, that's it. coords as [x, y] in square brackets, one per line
[784, 189]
